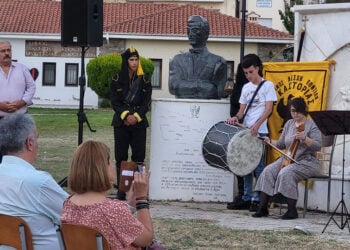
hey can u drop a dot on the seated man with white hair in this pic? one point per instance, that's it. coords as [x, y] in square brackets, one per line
[26, 192]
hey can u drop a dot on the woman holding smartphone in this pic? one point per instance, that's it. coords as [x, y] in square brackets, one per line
[91, 175]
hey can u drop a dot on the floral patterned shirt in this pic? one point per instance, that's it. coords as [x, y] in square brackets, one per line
[111, 217]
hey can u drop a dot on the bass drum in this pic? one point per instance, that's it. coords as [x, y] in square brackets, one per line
[232, 148]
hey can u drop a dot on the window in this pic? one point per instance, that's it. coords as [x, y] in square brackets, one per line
[49, 74]
[71, 74]
[252, 19]
[265, 22]
[230, 69]
[157, 74]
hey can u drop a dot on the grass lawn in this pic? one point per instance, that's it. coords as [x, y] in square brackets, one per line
[58, 138]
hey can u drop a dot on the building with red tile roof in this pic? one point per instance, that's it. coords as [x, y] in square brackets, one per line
[158, 31]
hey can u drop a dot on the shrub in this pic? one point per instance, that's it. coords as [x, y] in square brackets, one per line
[101, 69]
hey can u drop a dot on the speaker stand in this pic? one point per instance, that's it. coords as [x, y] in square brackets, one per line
[81, 114]
[82, 83]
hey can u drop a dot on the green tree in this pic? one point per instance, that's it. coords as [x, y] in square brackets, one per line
[287, 16]
[101, 69]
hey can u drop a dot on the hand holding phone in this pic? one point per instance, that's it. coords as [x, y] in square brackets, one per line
[127, 170]
[126, 177]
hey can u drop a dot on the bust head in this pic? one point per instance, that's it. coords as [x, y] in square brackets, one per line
[197, 31]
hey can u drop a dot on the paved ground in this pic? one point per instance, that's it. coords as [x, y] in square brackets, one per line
[313, 222]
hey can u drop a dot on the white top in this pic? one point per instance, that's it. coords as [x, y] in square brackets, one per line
[34, 196]
[266, 93]
[17, 85]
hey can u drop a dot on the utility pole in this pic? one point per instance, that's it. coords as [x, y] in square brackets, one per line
[243, 29]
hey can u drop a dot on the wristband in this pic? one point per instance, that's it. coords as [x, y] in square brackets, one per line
[142, 205]
[142, 198]
[141, 201]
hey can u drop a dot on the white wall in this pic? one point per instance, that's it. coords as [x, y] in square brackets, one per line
[63, 96]
[333, 43]
[168, 49]
[327, 37]
[58, 95]
[268, 12]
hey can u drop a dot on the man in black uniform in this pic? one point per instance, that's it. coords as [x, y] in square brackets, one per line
[130, 94]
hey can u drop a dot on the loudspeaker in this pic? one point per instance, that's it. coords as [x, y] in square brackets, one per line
[82, 23]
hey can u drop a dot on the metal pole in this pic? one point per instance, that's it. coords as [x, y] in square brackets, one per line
[243, 29]
[82, 84]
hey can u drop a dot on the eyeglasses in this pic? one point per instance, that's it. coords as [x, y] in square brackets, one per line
[5, 50]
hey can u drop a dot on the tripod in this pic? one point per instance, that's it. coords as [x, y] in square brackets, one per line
[81, 114]
[341, 204]
[82, 83]
[335, 122]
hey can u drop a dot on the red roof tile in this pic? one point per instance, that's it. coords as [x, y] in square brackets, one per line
[44, 17]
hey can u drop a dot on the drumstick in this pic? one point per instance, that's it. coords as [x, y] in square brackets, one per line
[280, 151]
[240, 125]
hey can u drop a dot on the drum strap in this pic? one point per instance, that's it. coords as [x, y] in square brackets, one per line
[251, 100]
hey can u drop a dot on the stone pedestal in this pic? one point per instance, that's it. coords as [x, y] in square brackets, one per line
[178, 169]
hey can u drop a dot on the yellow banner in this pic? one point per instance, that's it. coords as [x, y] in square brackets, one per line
[295, 79]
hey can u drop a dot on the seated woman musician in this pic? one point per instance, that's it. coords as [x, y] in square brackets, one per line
[302, 139]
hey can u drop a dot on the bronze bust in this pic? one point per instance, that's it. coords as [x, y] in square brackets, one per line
[197, 74]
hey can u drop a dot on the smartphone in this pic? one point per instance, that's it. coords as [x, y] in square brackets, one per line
[127, 173]
[139, 167]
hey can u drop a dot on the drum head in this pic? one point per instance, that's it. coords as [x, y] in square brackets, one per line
[215, 143]
[244, 153]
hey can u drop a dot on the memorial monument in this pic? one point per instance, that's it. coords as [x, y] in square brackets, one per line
[197, 79]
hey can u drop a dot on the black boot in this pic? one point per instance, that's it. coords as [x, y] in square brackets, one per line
[262, 212]
[292, 212]
[238, 199]
[239, 204]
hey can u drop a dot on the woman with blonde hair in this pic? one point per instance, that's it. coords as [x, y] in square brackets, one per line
[91, 175]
